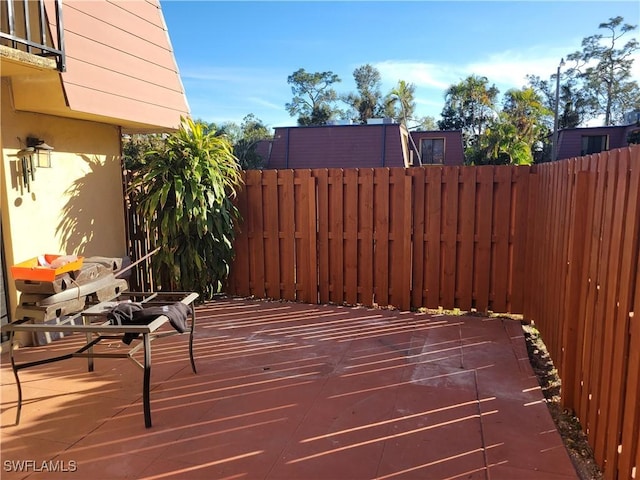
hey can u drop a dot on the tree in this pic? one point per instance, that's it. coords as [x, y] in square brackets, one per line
[451, 118]
[470, 106]
[367, 101]
[501, 144]
[400, 103]
[135, 146]
[604, 68]
[525, 110]
[511, 136]
[573, 105]
[252, 132]
[231, 130]
[184, 192]
[313, 97]
[426, 124]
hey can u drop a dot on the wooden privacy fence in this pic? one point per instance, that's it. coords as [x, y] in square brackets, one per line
[583, 292]
[425, 237]
[557, 242]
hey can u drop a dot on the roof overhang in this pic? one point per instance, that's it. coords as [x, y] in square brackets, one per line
[51, 98]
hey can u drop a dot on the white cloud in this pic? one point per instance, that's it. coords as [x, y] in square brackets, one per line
[419, 73]
[235, 77]
[266, 103]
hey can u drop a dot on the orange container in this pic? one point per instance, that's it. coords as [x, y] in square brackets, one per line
[32, 270]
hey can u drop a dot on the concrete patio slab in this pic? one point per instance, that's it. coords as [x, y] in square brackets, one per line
[297, 392]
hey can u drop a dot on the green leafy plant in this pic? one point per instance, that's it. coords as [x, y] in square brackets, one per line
[633, 137]
[184, 191]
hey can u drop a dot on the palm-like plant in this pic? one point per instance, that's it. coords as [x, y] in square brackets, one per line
[401, 95]
[185, 193]
[525, 110]
[502, 144]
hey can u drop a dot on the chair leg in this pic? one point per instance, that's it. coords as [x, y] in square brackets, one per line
[147, 380]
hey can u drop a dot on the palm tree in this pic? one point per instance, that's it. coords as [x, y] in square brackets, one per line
[400, 102]
[471, 103]
[501, 144]
[525, 110]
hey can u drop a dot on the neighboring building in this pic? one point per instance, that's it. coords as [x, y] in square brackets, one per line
[82, 74]
[377, 144]
[576, 142]
[439, 147]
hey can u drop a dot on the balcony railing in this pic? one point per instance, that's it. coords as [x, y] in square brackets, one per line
[24, 26]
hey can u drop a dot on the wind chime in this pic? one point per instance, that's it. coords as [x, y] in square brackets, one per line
[36, 154]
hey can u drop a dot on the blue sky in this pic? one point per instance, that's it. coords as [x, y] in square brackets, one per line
[234, 57]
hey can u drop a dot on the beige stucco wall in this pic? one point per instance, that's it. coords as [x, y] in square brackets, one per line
[74, 207]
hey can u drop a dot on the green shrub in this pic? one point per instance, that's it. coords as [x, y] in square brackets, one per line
[184, 190]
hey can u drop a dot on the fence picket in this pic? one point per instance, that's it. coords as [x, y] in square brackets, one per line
[419, 237]
[336, 235]
[366, 255]
[571, 329]
[502, 214]
[611, 304]
[602, 307]
[271, 234]
[305, 239]
[520, 220]
[466, 243]
[433, 265]
[586, 403]
[449, 220]
[255, 229]
[483, 230]
[397, 233]
[351, 257]
[322, 214]
[240, 272]
[381, 235]
[286, 235]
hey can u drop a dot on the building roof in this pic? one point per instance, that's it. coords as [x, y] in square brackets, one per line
[355, 146]
[570, 143]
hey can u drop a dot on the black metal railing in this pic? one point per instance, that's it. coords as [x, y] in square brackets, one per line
[24, 26]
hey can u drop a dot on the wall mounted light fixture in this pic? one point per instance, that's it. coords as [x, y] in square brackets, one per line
[42, 151]
[36, 154]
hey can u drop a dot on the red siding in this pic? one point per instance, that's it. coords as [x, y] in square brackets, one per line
[453, 148]
[120, 63]
[344, 146]
[570, 140]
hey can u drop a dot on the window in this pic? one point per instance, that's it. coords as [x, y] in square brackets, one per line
[594, 144]
[432, 151]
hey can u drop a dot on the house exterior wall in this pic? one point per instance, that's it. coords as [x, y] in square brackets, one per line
[343, 146]
[120, 68]
[570, 140]
[74, 207]
[120, 76]
[453, 147]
